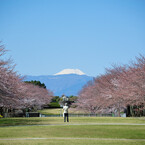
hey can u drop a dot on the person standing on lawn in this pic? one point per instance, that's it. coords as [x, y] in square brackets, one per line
[65, 112]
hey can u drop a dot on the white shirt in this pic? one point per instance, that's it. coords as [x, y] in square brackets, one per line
[65, 108]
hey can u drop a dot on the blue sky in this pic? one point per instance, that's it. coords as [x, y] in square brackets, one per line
[45, 36]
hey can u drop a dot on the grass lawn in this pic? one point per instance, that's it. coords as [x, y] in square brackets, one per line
[71, 142]
[59, 120]
[51, 111]
[59, 133]
[59, 111]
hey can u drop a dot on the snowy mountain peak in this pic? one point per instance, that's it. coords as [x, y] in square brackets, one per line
[70, 71]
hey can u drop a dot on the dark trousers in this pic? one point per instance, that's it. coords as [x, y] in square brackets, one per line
[66, 116]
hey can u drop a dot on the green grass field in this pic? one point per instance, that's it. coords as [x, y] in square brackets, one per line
[59, 111]
[79, 131]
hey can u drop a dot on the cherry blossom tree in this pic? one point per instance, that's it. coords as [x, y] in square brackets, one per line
[33, 96]
[92, 97]
[136, 83]
[14, 93]
[118, 87]
[9, 83]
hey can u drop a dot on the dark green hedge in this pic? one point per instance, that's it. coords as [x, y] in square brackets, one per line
[54, 105]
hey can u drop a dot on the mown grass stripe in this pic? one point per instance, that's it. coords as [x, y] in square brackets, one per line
[63, 138]
[75, 124]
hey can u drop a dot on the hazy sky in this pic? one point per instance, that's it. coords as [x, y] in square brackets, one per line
[45, 36]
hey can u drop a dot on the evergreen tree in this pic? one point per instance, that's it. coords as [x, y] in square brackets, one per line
[37, 83]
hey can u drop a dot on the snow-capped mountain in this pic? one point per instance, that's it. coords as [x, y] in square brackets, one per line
[60, 83]
[70, 71]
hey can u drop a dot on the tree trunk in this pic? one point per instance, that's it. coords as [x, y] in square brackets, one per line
[5, 112]
[118, 112]
[118, 109]
[132, 111]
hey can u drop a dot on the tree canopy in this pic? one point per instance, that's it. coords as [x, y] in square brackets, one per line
[37, 83]
[119, 87]
[14, 93]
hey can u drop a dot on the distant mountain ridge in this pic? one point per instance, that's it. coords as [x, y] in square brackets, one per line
[68, 84]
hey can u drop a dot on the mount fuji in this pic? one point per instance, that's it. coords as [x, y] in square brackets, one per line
[67, 81]
[70, 71]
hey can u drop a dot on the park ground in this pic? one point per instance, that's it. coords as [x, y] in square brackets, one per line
[58, 111]
[79, 131]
